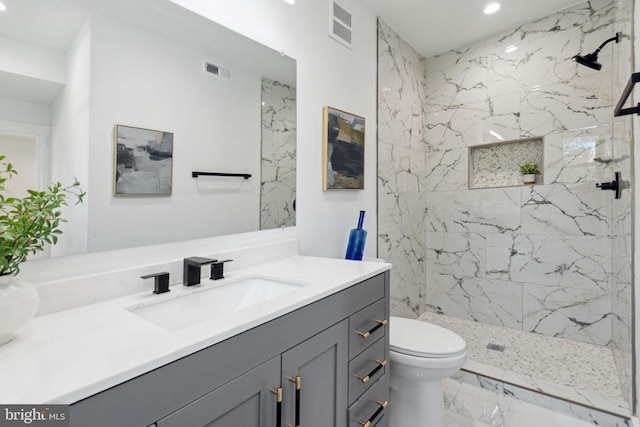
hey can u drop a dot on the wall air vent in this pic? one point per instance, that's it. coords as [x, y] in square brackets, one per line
[217, 70]
[339, 24]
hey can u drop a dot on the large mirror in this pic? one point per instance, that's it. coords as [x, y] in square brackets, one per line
[73, 70]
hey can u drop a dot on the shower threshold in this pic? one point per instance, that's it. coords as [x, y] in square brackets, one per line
[572, 371]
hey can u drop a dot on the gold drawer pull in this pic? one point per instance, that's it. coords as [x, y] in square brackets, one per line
[278, 393]
[297, 380]
[366, 378]
[379, 324]
[375, 414]
[383, 404]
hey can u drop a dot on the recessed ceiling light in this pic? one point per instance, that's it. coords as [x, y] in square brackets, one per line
[511, 48]
[491, 8]
[2, 7]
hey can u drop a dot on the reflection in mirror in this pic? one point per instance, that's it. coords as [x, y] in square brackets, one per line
[71, 70]
[278, 192]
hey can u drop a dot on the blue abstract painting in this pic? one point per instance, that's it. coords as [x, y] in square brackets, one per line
[343, 150]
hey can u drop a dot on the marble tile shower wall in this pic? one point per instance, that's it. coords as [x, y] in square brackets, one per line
[535, 258]
[278, 186]
[402, 170]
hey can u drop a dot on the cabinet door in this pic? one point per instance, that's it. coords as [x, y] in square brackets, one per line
[315, 380]
[247, 401]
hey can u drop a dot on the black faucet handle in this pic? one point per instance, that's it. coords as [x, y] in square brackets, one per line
[198, 261]
[217, 269]
[161, 281]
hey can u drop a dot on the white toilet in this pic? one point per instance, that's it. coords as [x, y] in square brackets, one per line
[421, 354]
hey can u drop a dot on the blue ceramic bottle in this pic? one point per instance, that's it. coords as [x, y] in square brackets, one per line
[357, 240]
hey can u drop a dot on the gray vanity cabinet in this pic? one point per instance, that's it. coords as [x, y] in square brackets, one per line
[314, 380]
[311, 354]
[249, 401]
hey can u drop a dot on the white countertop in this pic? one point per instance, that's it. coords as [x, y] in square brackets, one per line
[69, 355]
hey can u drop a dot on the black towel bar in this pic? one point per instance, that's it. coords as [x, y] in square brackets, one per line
[197, 174]
[619, 111]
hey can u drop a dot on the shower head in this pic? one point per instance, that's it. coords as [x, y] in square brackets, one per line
[591, 59]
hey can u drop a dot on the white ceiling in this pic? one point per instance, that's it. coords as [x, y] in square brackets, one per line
[54, 24]
[436, 26]
[430, 26]
[50, 23]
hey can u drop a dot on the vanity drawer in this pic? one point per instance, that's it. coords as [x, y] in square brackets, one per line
[366, 327]
[373, 407]
[366, 369]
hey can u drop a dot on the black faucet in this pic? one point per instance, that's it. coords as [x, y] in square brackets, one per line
[191, 269]
[161, 282]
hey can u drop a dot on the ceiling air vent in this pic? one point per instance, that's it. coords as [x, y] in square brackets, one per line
[339, 24]
[217, 70]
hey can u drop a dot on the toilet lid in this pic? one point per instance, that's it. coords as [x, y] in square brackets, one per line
[422, 339]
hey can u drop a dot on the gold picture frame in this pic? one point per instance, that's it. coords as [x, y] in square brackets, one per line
[342, 150]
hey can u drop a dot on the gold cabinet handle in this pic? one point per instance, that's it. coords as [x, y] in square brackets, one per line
[298, 382]
[278, 393]
[366, 378]
[381, 407]
[379, 324]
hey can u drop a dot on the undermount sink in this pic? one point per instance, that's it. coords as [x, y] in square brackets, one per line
[210, 302]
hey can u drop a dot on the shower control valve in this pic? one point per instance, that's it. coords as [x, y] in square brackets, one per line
[613, 185]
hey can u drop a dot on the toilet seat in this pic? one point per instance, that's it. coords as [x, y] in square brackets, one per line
[421, 339]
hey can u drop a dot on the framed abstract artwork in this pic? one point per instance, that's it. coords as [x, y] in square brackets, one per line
[342, 150]
[143, 162]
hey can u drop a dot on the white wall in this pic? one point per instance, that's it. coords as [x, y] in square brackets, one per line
[70, 147]
[328, 74]
[27, 59]
[17, 111]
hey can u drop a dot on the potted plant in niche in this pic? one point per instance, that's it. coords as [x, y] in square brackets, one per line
[26, 225]
[529, 172]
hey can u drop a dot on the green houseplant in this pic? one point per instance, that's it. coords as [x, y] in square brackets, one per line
[529, 169]
[529, 172]
[27, 224]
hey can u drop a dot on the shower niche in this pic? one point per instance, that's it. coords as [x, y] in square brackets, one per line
[497, 164]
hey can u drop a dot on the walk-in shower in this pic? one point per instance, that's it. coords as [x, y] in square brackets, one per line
[552, 259]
